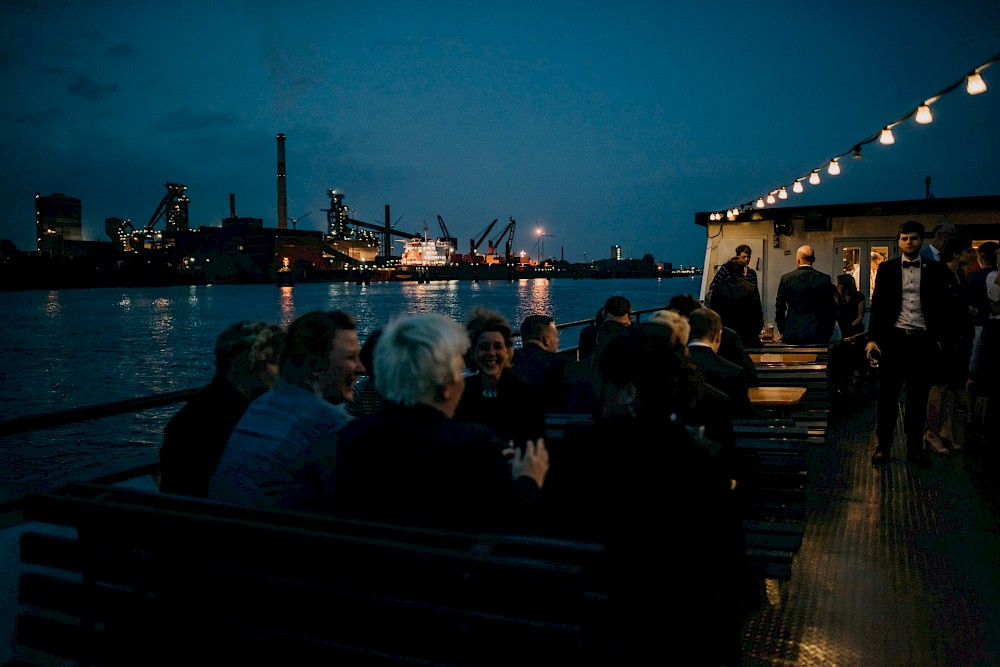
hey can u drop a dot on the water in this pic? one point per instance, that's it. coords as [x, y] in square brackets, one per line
[73, 348]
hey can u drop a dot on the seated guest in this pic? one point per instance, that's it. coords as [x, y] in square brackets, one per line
[493, 395]
[652, 385]
[366, 400]
[412, 463]
[588, 336]
[193, 440]
[537, 362]
[706, 335]
[730, 348]
[581, 382]
[280, 455]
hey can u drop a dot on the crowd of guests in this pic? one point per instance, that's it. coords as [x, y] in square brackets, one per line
[442, 424]
[438, 423]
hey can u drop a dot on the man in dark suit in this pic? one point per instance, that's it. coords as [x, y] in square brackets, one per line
[703, 345]
[806, 304]
[537, 361]
[908, 326]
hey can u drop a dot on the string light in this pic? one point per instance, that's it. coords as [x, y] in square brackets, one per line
[974, 85]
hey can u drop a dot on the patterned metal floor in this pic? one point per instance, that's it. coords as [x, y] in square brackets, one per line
[898, 566]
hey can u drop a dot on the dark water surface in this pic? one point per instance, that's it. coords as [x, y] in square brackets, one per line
[72, 348]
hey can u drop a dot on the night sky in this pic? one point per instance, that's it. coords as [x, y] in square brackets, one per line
[598, 123]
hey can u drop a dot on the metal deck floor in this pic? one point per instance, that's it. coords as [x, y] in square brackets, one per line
[898, 565]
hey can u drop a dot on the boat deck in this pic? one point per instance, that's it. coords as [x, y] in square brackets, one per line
[898, 565]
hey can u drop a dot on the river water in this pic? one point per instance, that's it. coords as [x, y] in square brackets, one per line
[73, 348]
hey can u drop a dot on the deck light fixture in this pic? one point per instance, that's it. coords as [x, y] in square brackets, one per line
[886, 138]
[797, 187]
[814, 177]
[782, 193]
[857, 152]
[974, 83]
[760, 202]
[834, 167]
[924, 114]
[770, 198]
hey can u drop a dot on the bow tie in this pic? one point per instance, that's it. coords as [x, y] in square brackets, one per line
[911, 265]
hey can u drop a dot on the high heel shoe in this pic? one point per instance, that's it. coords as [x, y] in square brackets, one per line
[933, 442]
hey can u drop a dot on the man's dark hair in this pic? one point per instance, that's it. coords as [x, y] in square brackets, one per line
[534, 326]
[988, 252]
[953, 246]
[705, 324]
[909, 227]
[683, 304]
[306, 345]
[618, 306]
[367, 353]
[734, 268]
[744, 248]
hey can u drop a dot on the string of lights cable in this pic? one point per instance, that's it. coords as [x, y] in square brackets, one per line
[974, 85]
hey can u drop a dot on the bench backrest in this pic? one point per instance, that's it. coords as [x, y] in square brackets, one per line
[181, 580]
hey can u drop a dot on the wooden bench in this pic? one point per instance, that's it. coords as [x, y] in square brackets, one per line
[121, 576]
[771, 490]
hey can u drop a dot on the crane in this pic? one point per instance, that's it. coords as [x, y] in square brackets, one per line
[510, 240]
[444, 230]
[474, 245]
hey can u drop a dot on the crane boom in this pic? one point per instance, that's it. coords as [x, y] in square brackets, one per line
[444, 230]
[474, 245]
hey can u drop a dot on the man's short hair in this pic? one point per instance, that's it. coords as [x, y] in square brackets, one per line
[534, 327]
[909, 227]
[618, 306]
[416, 355]
[680, 328]
[705, 324]
[743, 248]
[683, 304]
[307, 343]
[734, 266]
[944, 228]
[953, 246]
[242, 346]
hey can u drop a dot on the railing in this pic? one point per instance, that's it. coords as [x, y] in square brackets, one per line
[87, 413]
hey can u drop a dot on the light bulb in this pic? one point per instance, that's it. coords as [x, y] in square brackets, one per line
[814, 178]
[975, 84]
[886, 137]
[760, 202]
[834, 167]
[730, 215]
[924, 114]
[770, 198]
[857, 152]
[782, 193]
[797, 187]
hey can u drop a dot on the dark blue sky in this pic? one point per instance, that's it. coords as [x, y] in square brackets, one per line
[602, 123]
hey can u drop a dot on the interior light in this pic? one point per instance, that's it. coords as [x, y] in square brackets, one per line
[834, 167]
[886, 137]
[924, 114]
[782, 193]
[770, 198]
[797, 187]
[760, 202]
[730, 215]
[975, 84]
[814, 178]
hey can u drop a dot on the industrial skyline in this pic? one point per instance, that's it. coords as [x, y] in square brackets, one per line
[609, 126]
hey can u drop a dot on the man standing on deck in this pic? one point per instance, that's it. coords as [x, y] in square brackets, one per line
[908, 324]
[806, 304]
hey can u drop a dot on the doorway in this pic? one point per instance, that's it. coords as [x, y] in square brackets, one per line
[861, 258]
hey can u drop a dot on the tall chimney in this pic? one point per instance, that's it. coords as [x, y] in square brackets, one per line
[387, 243]
[282, 198]
[232, 205]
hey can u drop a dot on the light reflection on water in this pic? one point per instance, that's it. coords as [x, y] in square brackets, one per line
[73, 348]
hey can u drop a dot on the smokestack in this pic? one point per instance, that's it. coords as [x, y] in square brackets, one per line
[282, 197]
[232, 205]
[387, 243]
